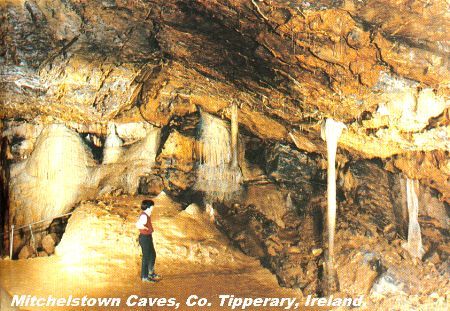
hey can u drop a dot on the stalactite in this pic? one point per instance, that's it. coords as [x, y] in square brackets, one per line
[414, 244]
[217, 176]
[113, 146]
[331, 133]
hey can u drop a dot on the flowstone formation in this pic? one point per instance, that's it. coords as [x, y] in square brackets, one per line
[218, 173]
[130, 163]
[51, 180]
[113, 144]
[61, 170]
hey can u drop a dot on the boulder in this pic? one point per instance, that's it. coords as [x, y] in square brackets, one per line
[358, 271]
[48, 243]
[150, 185]
[365, 276]
[193, 209]
[42, 254]
[26, 252]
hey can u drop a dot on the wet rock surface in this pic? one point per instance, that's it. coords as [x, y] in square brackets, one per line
[386, 273]
[176, 162]
[295, 170]
[287, 165]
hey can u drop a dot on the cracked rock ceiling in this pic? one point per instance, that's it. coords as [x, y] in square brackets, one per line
[381, 67]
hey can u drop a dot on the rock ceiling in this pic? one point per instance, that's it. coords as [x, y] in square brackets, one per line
[381, 67]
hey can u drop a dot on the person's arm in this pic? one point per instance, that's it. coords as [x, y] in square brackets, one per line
[140, 224]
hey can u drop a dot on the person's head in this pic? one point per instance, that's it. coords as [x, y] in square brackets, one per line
[147, 206]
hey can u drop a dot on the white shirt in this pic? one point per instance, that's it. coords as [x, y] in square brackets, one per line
[142, 221]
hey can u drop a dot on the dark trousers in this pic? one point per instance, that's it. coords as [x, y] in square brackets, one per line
[148, 254]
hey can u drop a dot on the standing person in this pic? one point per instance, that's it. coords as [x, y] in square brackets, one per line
[144, 224]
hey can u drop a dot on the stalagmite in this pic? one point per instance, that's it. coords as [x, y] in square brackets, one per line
[217, 176]
[210, 211]
[331, 134]
[414, 244]
[113, 146]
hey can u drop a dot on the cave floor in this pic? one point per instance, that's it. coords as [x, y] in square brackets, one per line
[51, 276]
[99, 257]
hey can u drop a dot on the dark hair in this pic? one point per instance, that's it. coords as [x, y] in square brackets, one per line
[146, 204]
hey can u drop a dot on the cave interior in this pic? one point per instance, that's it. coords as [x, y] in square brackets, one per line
[310, 138]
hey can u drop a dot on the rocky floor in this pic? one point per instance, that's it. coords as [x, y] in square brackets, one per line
[388, 276]
[370, 261]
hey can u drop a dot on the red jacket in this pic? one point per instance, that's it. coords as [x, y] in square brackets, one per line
[148, 225]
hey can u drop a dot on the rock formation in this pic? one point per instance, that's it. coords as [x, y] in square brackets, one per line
[219, 104]
[129, 164]
[288, 65]
[331, 133]
[51, 180]
[218, 172]
[112, 150]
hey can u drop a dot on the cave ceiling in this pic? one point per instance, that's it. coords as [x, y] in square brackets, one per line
[381, 67]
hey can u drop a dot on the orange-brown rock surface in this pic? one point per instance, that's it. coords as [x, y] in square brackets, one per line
[381, 67]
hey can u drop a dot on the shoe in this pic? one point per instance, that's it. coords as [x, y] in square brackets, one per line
[148, 280]
[155, 277]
